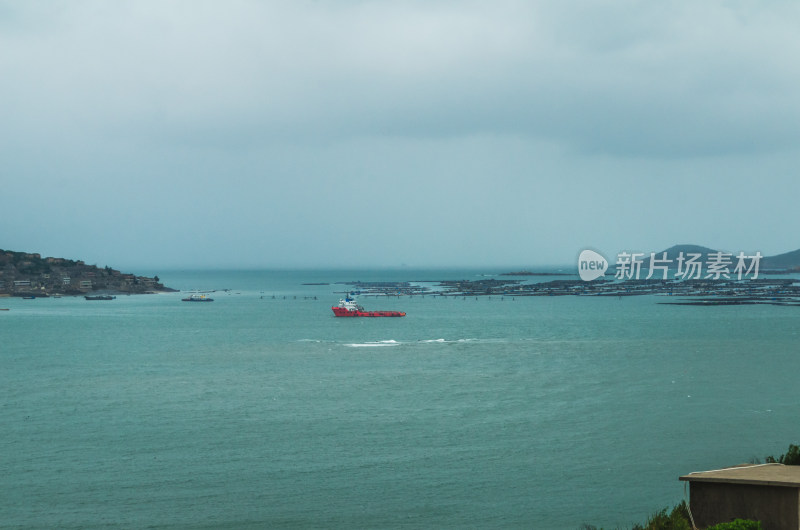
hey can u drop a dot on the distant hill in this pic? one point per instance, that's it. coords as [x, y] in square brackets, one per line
[25, 274]
[675, 251]
[781, 262]
[786, 261]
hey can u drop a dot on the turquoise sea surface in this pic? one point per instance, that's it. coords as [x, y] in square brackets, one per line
[263, 410]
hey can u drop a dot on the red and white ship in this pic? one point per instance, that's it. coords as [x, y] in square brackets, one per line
[349, 308]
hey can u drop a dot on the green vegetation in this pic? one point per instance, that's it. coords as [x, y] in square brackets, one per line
[790, 458]
[678, 519]
[25, 263]
[737, 524]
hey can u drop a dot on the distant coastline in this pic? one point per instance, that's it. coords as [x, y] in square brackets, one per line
[26, 274]
[529, 273]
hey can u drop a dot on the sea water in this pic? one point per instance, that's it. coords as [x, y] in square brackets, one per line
[263, 410]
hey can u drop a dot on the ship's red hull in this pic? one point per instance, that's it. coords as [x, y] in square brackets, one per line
[342, 312]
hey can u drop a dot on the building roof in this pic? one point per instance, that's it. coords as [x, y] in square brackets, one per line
[757, 474]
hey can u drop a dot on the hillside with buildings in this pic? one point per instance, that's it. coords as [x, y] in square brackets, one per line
[24, 274]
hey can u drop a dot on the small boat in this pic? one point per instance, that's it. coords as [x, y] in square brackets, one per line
[100, 297]
[29, 298]
[349, 308]
[197, 298]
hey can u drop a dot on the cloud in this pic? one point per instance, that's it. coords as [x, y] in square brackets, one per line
[509, 126]
[626, 78]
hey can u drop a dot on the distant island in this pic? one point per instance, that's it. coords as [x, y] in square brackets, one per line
[26, 274]
[787, 262]
[530, 273]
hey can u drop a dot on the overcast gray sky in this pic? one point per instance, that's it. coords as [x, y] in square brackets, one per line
[370, 133]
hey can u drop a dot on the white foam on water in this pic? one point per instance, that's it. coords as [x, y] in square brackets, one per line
[375, 344]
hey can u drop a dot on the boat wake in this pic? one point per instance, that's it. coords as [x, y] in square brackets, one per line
[376, 344]
[383, 343]
[461, 341]
[420, 342]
